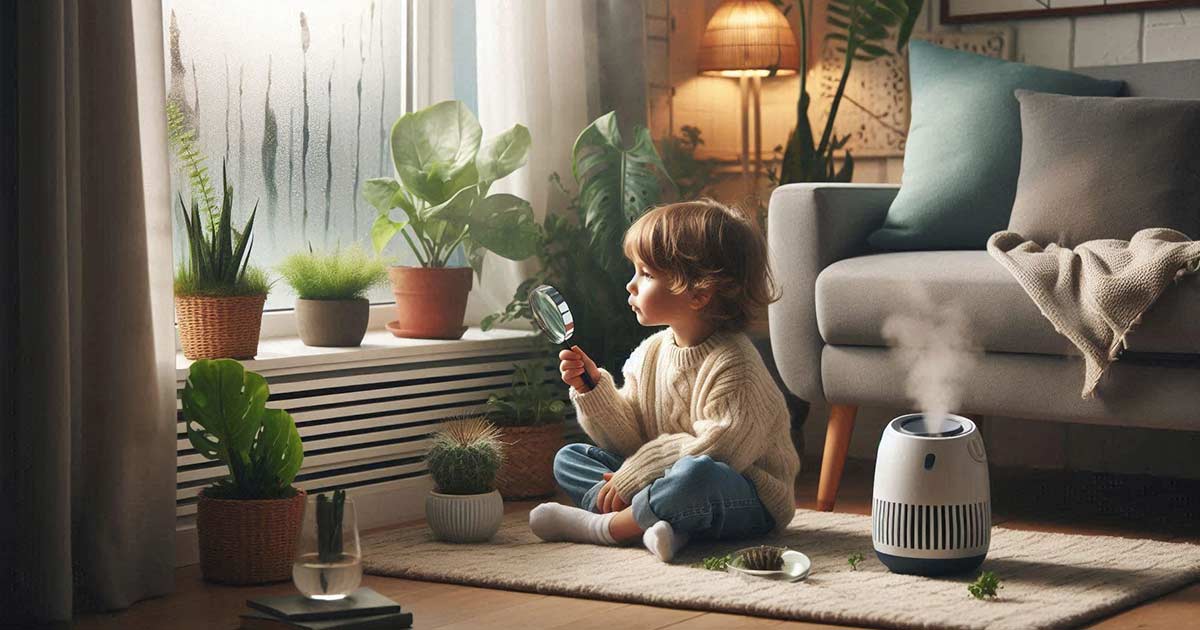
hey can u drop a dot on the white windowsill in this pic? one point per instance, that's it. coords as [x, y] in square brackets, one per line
[289, 354]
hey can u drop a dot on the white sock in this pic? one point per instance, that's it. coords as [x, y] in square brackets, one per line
[556, 522]
[663, 541]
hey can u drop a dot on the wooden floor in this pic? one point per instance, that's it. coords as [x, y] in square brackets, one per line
[1078, 503]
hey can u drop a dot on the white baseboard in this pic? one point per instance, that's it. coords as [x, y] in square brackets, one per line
[377, 505]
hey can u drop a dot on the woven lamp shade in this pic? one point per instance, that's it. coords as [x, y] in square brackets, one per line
[748, 38]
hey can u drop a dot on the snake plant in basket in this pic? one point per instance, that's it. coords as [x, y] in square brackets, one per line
[247, 521]
[463, 461]
[219, 297]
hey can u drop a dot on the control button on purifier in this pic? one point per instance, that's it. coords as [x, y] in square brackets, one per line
[929, 461]
[975, 448]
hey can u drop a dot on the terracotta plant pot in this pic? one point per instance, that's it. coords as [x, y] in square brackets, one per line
[248, 541]
[219, 327]
[430, 301]
[528, 468]
[336, 323]
[462, 518]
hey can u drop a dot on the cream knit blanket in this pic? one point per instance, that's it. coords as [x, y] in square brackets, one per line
[716, 399]
[1096, 293]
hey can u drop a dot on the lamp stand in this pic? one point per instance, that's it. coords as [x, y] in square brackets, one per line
[751, 88]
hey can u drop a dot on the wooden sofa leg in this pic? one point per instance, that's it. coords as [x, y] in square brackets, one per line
[837, 442]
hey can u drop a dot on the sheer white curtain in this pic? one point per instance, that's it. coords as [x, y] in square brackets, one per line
[536, 66]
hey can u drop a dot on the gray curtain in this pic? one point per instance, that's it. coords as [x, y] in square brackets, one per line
[89, 438]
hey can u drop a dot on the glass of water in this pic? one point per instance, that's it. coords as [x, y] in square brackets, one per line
[328, 564]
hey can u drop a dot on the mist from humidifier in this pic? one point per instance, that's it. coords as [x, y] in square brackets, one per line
[932, 341]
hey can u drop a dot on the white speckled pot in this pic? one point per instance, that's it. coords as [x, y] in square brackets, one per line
[462, 518]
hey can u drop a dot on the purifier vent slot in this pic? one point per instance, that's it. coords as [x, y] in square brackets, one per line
[931, 527]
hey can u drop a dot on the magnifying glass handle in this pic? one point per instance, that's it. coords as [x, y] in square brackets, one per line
[587, 378]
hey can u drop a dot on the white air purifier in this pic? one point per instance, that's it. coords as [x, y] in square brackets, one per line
[931, 506]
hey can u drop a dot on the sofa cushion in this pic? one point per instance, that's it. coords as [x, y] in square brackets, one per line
[963, 150]
[855, 296]
[1094, 168]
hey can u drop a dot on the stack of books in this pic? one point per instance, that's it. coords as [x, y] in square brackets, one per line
[364, 609]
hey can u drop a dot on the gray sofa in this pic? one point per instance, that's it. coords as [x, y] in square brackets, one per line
[826, 329]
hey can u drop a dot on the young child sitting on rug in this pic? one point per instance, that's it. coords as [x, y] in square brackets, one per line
[696, 444]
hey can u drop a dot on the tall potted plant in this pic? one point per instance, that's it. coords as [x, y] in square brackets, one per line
[248, 521]
[443, 175]
[580, 251]
[465, 505]
[218, 296]
[530, 419]
[331, 287]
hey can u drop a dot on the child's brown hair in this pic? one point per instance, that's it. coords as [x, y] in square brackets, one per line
[704, 245]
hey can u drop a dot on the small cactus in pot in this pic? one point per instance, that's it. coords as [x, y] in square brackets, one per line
[463, 461]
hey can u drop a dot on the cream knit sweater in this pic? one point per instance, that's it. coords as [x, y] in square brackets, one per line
[714, 399]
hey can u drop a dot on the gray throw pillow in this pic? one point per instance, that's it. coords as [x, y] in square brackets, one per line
[1096, 167]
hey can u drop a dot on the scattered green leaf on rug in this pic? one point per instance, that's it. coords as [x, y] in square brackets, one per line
[985, 586]
[715, 563]
[853, 560]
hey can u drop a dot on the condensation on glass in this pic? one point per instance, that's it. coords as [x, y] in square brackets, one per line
[297, 98]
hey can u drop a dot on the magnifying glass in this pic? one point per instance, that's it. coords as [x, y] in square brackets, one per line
[553, 316]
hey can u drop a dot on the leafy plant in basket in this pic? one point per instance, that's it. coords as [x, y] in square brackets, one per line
[861, 30]
[227, 420]
[529, 402]
[580, 253]
[224, 408]
[443, 177]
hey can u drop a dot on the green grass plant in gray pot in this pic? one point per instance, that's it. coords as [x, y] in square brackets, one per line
[249, 520]
[463, 461]
[332, 307]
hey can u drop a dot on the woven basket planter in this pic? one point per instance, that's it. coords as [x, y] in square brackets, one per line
[219, 327]
[248, 541]
[528, 468]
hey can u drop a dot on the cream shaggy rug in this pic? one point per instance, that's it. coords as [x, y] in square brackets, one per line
[1049, 580]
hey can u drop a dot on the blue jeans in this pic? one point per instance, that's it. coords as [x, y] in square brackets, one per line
[699, 496]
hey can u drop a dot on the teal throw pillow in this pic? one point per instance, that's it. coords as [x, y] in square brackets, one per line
[963, 152]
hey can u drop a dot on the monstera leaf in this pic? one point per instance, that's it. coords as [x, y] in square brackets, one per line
[616, 185]
[434, 150]
[278, 453]
[224, 409]
[862, 27]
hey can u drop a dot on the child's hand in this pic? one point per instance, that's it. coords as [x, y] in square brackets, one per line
[607, 500]
[572, 363]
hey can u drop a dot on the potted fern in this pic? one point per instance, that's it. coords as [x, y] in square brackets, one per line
[463, 461]
[332, 307]
[219, 297]
[444, 174]
[247, 522]
[529, 417]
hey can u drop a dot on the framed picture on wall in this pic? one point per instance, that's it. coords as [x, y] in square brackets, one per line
[966, 11]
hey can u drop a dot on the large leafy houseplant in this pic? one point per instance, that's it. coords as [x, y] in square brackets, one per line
[861, 30]
[248, 520]
[443, 175]
[580, 252]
